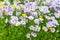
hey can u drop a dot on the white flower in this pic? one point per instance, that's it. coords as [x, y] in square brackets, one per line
[36, 21]
[18, 23]
[37, 28]
[49, 24]
[47, 17]
[14, 17]
[55, 22]
[30, 17]
[57, 15]
[23, 22]
[18, 13]
[44, 9]
[47, 2]
[28, 35]
[34, 14]
[33, 34]
[31, 27]
[13, 20]
[52, 30]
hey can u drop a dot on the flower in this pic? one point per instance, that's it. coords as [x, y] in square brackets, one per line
[33, 34]
[47, 2]
[34, 14]
[13, 20]
[8, 10]
[30, 17]
[50, 24]
[23, 22]
[52, 30]
[45, 29]
[18, 23]
[36, 21]
[36, 28]
[44, 9]
[31, 27]
[47, 17]
[57, 15]
[29, 7]
[28, 35]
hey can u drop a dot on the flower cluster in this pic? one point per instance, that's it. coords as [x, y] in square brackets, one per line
[22, 14]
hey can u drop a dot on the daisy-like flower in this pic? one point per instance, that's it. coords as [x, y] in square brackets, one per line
[23, 22]
[31, 27]
[17, 13]
[33, 34]
[28, 35]
[55, 22]
[29, 7]
[19, 7]
[45, 29]
[52, 23]
[44, 9]
[47, 17]
[52, 30]
[47, 2]
[30, 17]
[52, 18]
[36, 21]
[13, 20]
[34, 14]
[57, 15]
[8, 10]
[18, 23]
[37, 28]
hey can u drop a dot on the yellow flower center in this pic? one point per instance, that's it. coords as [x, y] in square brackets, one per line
[40, 16]
[13, 6]
[17, 0]
[24, 15]
[44, 28]
[2, 5]
[48, 16]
